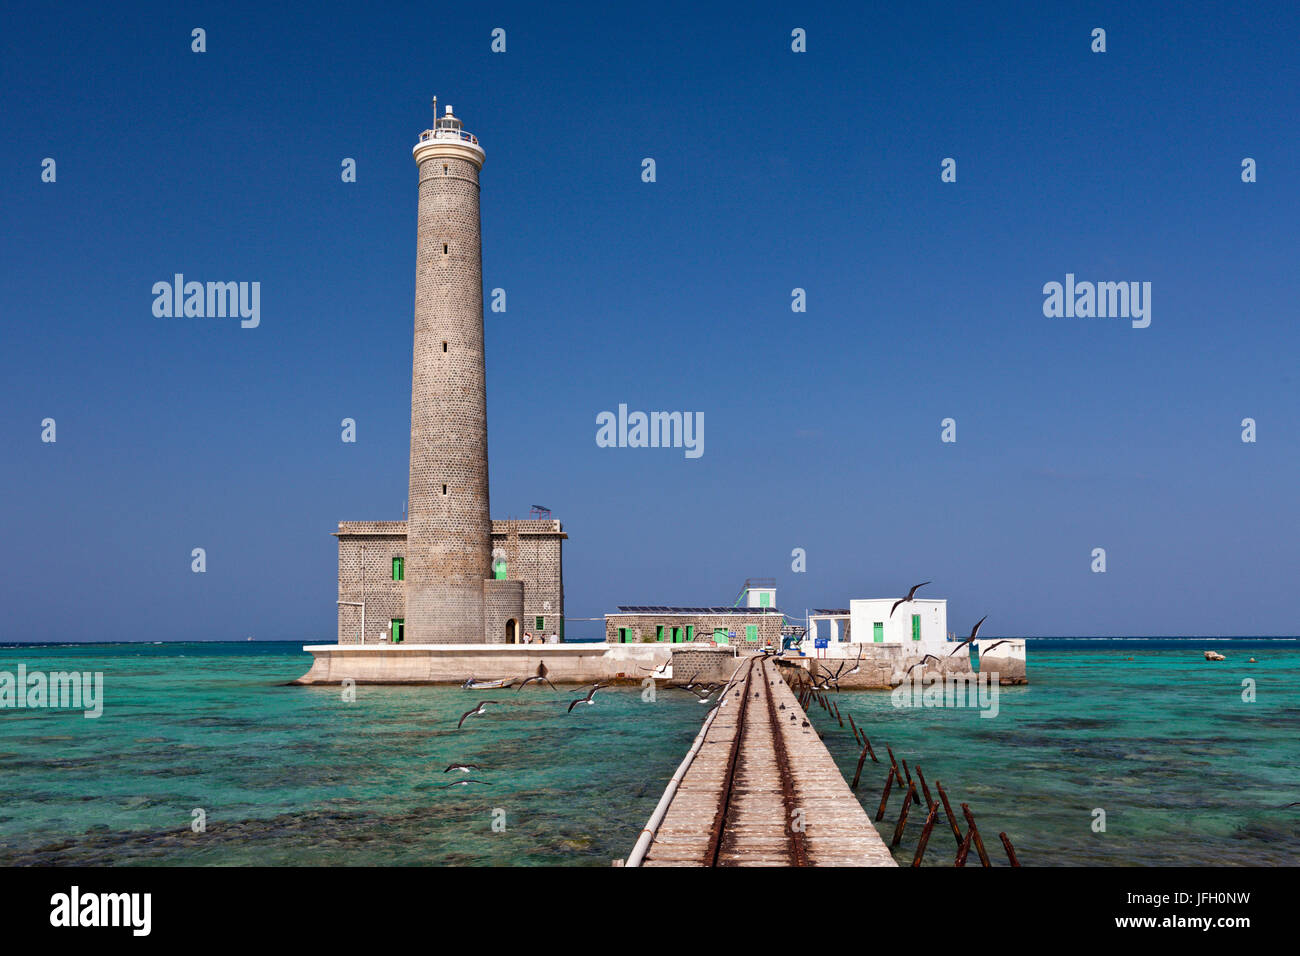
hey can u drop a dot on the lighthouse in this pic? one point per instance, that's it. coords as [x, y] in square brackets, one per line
[449, 525]
[449, 574]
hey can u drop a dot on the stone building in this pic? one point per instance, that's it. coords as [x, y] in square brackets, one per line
[449, 574]
[373, 565]
[745, 626]
[751, 621]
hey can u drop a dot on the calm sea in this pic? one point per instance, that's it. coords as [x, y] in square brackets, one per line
[1146, 730]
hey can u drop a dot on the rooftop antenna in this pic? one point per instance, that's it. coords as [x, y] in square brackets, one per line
[435, 111]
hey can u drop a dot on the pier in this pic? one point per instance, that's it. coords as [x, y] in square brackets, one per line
[758, 788]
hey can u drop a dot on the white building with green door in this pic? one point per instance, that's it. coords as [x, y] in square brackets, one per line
[922, 624]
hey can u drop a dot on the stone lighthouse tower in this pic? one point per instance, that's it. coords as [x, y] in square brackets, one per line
[449, 527]
[449, 574]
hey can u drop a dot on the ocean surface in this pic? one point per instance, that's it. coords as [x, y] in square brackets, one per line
[1144, 729]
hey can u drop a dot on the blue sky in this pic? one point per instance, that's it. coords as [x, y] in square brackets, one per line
[775, 170]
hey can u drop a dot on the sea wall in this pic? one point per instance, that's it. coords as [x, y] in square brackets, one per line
[453, 663]
[879, 666]
[883, 666]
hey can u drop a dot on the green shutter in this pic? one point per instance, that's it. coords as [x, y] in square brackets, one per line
[622, 635]
[916, 627]
[397, 629]
[720, 635]
[751, 632]
[541, 622]
[878, 632]
[399, 569]
[690, 633]
[659, 632]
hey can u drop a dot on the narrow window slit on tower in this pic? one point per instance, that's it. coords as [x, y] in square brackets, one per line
[444, 346]
[444, 489]
[444, 248]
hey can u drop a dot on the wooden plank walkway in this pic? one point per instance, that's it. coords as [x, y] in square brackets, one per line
[763, 790]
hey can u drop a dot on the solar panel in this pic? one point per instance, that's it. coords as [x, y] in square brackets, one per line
[715, 611]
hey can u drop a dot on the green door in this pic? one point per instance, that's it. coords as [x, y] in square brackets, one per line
[690, 633]
[622, 635]
[720, 635]
[398, 625]
[878, 632]
[916, 627]
[677, 635]
[751, 632]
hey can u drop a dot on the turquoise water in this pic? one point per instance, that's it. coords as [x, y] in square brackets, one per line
[296, 775]
[1186, 771]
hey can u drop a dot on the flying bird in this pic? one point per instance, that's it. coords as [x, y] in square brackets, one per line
[462, 767]
[476, 712]
[841, 673]
[528, 680]
[975, 630]
[704, 691]
[927, 657]
[910, 594]
[585, 700]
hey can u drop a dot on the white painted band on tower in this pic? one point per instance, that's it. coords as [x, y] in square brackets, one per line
[449, 138]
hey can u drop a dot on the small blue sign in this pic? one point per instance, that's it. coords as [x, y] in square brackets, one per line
[731, 634]
[821, 642]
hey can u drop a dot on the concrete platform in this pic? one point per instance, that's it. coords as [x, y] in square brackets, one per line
[453, 663]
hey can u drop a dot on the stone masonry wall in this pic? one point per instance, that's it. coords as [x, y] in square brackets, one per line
[643, 626]
[534, 555]
[503, 601]
[535, 564]
[449, 526]
[702, 662]
[366, 552]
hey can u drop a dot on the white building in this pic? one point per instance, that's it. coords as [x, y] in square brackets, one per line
[757, 592]
[921, 625]
[914, 629]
